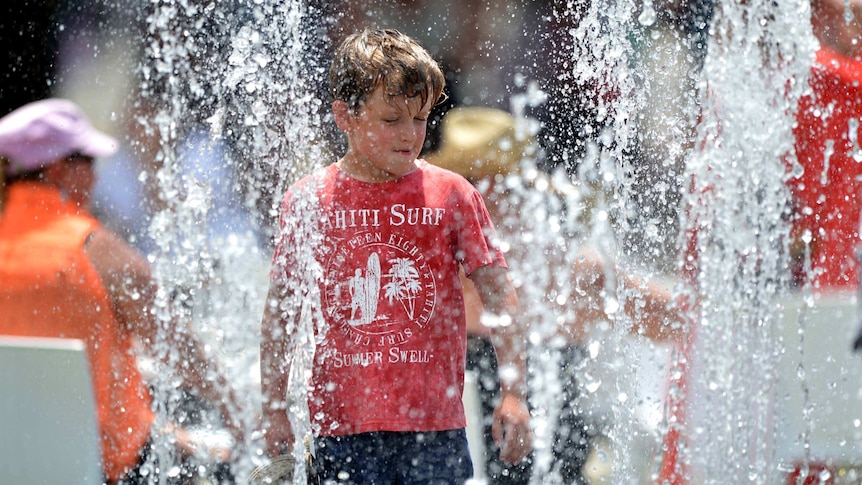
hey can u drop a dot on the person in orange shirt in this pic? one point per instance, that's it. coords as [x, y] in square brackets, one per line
[63, 275]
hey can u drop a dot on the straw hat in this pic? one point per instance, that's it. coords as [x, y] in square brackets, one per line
[479, 142]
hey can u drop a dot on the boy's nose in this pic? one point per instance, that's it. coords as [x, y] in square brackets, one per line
[408, 133]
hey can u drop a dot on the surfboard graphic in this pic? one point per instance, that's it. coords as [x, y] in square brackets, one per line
[372, 289]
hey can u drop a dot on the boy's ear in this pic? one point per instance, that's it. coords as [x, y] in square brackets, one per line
[342, 114]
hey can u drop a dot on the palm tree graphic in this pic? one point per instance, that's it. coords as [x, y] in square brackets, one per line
[404, 284]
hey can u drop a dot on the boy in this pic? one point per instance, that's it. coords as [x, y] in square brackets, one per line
[388, 236]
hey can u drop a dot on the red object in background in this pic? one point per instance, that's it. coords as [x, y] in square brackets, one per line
[674, 468]
[814, 476]
[829, 192]
[828, 199]
[827, 195]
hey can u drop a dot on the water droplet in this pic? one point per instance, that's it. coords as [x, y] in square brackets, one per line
[612, 305]
[594, 348]
[593, 386]
[647, 16]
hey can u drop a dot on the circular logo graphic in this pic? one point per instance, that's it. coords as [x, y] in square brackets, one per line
[378, 290]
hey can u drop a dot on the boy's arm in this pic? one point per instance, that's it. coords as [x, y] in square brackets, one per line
[511, 427]
[274, 372]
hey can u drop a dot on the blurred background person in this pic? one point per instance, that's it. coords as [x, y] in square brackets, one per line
[826, 185]
[826, 192]
[563, 283]
[65, 276]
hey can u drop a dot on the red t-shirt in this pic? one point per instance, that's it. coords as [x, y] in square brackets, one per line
[828, 192]
[394, 353]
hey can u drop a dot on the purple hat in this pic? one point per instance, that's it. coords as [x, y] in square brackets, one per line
[40, 133]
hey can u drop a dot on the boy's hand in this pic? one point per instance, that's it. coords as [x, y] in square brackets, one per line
[278, 439]
[511, 429]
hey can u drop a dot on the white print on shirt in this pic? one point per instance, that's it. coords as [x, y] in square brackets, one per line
[379, 293]
[395, 355]
[397, 215]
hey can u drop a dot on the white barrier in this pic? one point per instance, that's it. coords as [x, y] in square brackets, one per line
[829, 419]
[48, 431]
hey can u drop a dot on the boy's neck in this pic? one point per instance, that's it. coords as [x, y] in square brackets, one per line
[366, 173]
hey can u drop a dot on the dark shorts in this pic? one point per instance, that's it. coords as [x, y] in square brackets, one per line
[390, 458]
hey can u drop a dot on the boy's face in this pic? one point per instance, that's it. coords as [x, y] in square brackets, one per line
[385, 136]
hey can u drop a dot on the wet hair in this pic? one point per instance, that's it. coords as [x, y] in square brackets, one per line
[374, 57]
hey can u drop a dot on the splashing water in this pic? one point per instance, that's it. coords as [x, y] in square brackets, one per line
[242, 72]
[739, 220]
[257, 92]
